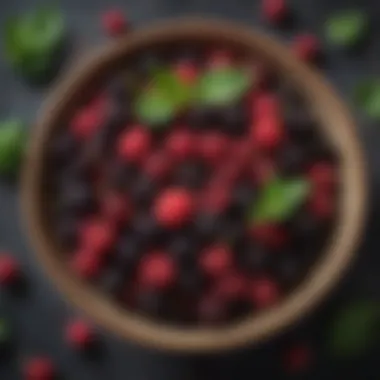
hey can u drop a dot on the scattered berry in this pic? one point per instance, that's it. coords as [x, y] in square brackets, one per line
[134, 144]
[39, 368]
[114, 23]
[306, 47]
[274, 11]
[173, 207]
[79, 334]
[9, 269]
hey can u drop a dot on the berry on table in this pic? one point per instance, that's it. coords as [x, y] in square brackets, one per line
[134, 144]
[9, 269]
[216, 260]
[79, 334]
[274, 11]
[38, 368]
[157, 270]
[114, 22]
[306, 47]
[173, 207]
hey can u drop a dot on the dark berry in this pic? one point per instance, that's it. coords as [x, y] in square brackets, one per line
[113, 280]
[297, 359]
[270, 235]
[63, 148]
[9, 269]
[234, 119]
[79, 334]
[157, 269]
[113, 22]
[158, 166]
[216, 260]
[190, 174]
[67, 231]
[291, 160]
[181, 144]
[146, 228]
[274, 11]
[134, 144]
[254, 258]
[183, 248]
[120, 175]
[306, 47]
[86, 264]
[174, 207]
[191, 281]
[129, 250]
[203, 118]
[86, 122]
[289, 269]
[142, 191]
[243, 196]
[212, 147]
[38, 368]
[298, 121]
[322, 205]
[264, 292]
[207, 225]
[231, 287]
[150, 302]
[323, 175]
[76, 196]
[211, 310]
[116, 208]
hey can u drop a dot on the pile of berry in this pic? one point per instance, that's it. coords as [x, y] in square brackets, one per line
[159, 215]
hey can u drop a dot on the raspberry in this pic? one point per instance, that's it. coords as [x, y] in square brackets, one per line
[263, 292]
[216, 260]
[322, 175]
[297, 359]
[306, 47]
[39, 368]
[86, 122]
[134, 144]
[216, 198]
[274, 11]
[97, 236]
[265, 104]
[114, 22]
[86, 264]
[79, 334]
[212, 146]
[157, 270]
[157, 166]
[268, 132]
[173, 207]
[181, 144]
[270, 235]
[231, 286]
[186, 72]
[9, 269]
[116, 208]
[321, 205]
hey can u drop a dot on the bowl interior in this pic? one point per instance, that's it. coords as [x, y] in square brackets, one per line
[336, 125]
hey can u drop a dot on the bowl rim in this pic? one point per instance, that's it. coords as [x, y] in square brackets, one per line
[326, 272]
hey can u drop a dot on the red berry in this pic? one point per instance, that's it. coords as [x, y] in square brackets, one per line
[297, 359]
[86, 122]
[274, 11]
[216, 198]
[181, 144]
[322, 175]
[38, 368]
[86, 264]
[9, 269]
[220, 58]
[231, 286]
[322, 205]
[306, 47]
[211, 309]
[157, 166]
[268, 132]
[116, 208]
[79, 334]
[157, 270]
[265, 104]
[114, 22]
[270, 235]
[212, 146]
[216, 260]
[264, 292]
[134, 144]
[97, 235]
[173, 207]
[186, 72]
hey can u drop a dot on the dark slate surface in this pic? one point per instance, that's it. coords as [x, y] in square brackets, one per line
[38, 316]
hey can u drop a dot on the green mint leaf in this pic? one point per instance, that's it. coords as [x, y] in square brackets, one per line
[222, 86]
[355, 328]
[279, 199]
[346, 28]
[31, 39]
[12, 143]
[367, 96]
[162, 100]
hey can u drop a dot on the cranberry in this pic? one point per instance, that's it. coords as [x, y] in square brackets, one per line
[212, 146]
[186, 72]
[268, 132]
[79, 334]
[39, 368]
[297, 359]
[9, 269]
[86, 122]
[173, 207]
[113, 22]
[134, 144]
[322, 175]
[216, 260]
[157, 270]
[97, 235]
[306, 47]
[264, 292]
[158, 165]
[274, 11]
[270, 235]
[181, 144]
[86, 264]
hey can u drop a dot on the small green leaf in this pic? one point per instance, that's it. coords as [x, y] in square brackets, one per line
[346, 28]
[12, 143]
[367, 96]
[222, 86]
[162, 100]
[355, 328]
[279, 199]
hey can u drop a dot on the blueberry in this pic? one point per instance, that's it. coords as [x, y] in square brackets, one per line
[191, 282]
[289, 269]
[305, 227]
[112, 281]
[150, 303]
[202, 118]
[184, 249]
[120, 175]
[207, 225]
[190, 174]
[117, 90]
[254, 258]
[142, 190]
[292, 160]
[146, 228]
[299, 123]
[242, 197]
[67, 231]
[76, 196]
[232, 232]
[63, 148]
[234, 119]
[128, 252]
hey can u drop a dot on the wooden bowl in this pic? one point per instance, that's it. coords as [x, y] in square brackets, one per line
[335, 121]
